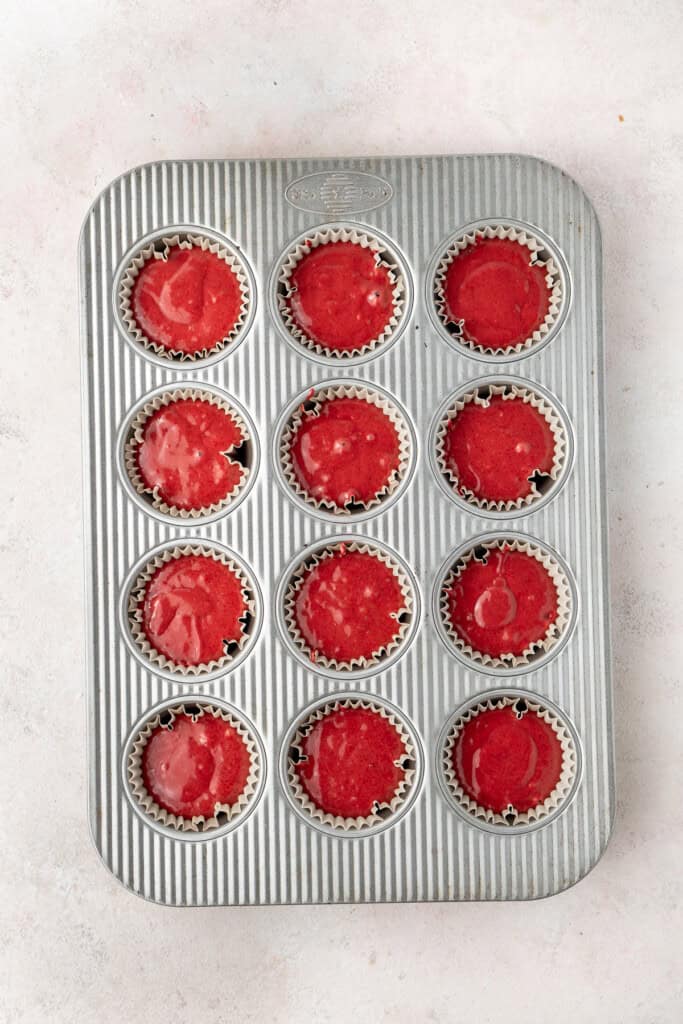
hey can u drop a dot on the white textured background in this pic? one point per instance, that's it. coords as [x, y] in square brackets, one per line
[88, 90]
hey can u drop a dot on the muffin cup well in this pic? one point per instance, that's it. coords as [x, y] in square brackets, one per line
[310, 406]
[383, 256]
[159, 248]
[135, 437]
[159, 662]
[404, 620]
[539, 254]
[511, 818]
[535, 652]
[224, 814]
[382, 815]
[481, 394]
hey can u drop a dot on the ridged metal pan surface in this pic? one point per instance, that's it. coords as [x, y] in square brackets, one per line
[431, 852]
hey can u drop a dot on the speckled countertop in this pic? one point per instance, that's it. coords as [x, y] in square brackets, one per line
[92, 89]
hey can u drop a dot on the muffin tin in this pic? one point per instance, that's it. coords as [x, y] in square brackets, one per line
[415, 209]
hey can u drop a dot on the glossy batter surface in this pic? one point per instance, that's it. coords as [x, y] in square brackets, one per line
[192, 607]
[342, 296]
[495, 449]
[187, 302]
[501, 760]
[345, 452]
[492, 287]
[352, 762]
[190, 768]
[347, 606]
[505, 605]
[184, 454]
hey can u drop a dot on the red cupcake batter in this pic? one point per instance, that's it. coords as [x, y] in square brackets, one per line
[194, 765]
[192, 606]
[491, 286]
[187, 302]
[347, 606]
[351, 764]
[342, 297]
[501, 760]
[505, 605]
[493, 450]
[346, 451]
[183, 453]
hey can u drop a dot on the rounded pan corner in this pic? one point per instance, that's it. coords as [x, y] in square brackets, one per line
[556, 169]
[108, 868]
[107, 188]
[117, 878]
[586, 869]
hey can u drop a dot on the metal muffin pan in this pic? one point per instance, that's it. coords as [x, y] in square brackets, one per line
[273, 854]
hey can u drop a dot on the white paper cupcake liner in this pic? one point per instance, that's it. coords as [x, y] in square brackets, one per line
[381, 812]
[403, 617]
[539, 647]
[285, 288]
[511, 816]
[310, 407]
[508, 391]
[160, 249]
[136, 437]
[223, 813]
[135, 616]
[538, 254]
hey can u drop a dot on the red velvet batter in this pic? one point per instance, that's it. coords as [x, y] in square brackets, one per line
[502, 760]
[505, 605]
[345, 452]
[501, 298]
[195, 765]
[188, 301]
[347, 605]
[494, 450]
[351, 762]
[183, 453]
[342, 298]
[191, 607]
